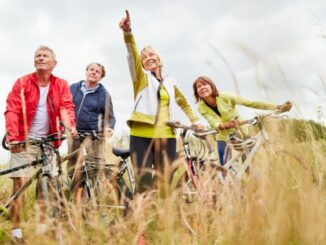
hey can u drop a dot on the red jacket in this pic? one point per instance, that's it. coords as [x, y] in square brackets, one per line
[22, 102]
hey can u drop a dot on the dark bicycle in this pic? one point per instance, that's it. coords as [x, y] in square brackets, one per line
[48, 185]
[57, 190]
[99, 185]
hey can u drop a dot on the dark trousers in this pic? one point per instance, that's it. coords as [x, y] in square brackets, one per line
[150, 156]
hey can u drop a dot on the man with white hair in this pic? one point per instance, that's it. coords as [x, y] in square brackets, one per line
[34, 107]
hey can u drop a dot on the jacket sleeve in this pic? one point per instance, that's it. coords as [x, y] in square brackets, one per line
[109, 113]
[67, 113]
[211, 117]
[238, 100]
[135, 65]
[184, 105]
[13, 110]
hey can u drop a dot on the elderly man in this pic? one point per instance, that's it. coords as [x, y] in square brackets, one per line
[35, 106]
[93, 111]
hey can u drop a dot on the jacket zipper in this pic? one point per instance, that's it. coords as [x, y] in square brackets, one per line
[80, 107]
[135, 107]
[158, 102]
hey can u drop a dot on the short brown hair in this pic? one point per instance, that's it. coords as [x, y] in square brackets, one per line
[98, 64]
[208, 81]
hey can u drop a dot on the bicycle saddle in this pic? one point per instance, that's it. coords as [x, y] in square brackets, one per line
[123, 153]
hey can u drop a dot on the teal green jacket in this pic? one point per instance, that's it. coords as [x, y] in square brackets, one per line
[226, 104]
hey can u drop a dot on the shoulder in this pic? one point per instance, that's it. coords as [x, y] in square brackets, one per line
[227, 96]
[224, 94]
[202, 105]
[102, 89]
[58, 82]
[27, 77]
[27, 81]
[57, 79]
[75, 85]
[168, 78]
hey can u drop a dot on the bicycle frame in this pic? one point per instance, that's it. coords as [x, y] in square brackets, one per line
[229, 165]
[88, 165]
[193, 161]
[248, 153]
[39, 173]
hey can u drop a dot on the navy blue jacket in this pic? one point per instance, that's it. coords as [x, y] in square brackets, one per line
[92, 107]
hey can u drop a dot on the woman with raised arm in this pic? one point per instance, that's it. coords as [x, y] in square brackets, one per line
[152, 142]
[219, 109]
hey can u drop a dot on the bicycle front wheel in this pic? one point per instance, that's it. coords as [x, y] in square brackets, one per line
[98, 195]
[51, 208]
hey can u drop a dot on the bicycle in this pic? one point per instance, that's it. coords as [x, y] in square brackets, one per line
[48, 185]
[62, 188]
[245, 147]
[199, 177]
[196, 182]
[90, 178]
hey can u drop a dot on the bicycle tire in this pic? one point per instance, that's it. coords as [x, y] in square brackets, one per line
[187, 203]
[100, 194]
[52, 205]
[194, 194]
[51, 197]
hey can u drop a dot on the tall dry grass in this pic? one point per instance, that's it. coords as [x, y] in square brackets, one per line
[282, 201]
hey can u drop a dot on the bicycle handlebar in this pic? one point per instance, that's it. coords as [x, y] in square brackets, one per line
[260, 118]
[95, 135]
[36, 140]
[197, 133]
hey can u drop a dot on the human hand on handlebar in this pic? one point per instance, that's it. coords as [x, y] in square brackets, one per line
[285, 106]
[233, 123]
[125, 23]
[108, 132]
[15, 147]
[198, 126]
[73, 132]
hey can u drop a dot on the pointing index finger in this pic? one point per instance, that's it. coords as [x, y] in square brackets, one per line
[127, 15]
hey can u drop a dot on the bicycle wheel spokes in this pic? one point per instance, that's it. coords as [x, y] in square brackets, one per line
[98, 197]
[51, 208]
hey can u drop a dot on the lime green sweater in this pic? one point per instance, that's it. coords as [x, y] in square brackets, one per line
[226, 104]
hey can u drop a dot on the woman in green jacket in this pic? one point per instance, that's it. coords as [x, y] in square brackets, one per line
[219, 109]
[152, 142]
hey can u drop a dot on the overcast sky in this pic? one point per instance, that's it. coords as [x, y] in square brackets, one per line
[274, 49]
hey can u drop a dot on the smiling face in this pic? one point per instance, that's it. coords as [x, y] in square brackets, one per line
[44, 60]
[204, 90]
[150, 59]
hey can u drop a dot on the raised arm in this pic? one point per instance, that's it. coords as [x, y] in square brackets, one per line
[134, 61]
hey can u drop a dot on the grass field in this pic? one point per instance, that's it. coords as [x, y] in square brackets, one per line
[282, 201]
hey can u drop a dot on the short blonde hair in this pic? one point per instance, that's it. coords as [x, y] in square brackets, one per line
[150, 49]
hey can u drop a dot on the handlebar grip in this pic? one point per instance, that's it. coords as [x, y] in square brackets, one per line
[4, 142]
